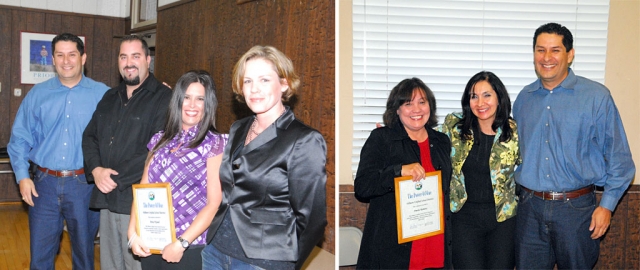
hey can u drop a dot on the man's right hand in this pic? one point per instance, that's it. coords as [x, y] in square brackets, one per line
[102, 178]
[27, 189]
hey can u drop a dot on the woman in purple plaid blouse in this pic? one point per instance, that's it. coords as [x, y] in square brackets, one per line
[187, 154]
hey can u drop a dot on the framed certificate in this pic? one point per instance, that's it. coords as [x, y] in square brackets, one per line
[419, 207]
[154, 215]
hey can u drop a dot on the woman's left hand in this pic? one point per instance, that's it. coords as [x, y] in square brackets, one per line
[173, 252]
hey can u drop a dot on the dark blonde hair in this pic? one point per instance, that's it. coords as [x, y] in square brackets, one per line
[282, 65]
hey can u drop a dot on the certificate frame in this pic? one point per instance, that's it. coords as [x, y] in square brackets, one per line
[153, 209]
[424, 220]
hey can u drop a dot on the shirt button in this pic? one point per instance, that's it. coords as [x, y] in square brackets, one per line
[65, 144]
[69, 102]
[547, 141]
[547, 124]
[67, 116]
[546, 158]
[547, 176]
[62, 157]
[548, 107]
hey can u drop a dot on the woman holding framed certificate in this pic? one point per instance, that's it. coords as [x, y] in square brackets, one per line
[187, 155]
[273, 176]
[406, 146]
[483, 189]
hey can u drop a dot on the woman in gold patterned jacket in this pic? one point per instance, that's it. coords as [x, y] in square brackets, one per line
[484, 155]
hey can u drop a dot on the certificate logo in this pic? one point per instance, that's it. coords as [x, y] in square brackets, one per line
[152, 195]
[418, 185]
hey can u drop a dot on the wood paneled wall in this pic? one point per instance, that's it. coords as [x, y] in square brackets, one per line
[212, 35]
[619, 249]
[101, 48]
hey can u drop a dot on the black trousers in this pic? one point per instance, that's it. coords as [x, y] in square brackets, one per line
[191, 259]
[480, 241]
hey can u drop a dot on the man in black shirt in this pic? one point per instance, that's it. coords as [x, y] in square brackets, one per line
[115, 147]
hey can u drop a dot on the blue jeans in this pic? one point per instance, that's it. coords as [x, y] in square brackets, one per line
[62, 198]
[555, 232]
[213, 259]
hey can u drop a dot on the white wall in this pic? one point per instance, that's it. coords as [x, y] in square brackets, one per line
[111, 8]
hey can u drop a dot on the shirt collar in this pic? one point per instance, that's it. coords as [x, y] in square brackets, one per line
[150, 84]
[82, 83]
[568, 83]
[403, 135]
[185, 136]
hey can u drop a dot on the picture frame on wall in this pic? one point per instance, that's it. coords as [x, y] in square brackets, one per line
[36, 57]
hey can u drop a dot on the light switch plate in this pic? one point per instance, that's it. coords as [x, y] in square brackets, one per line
[17, 92]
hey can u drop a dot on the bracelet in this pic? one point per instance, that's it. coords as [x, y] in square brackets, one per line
[131, 240]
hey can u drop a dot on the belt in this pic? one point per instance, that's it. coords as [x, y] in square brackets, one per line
[550, 195]
[62, 173]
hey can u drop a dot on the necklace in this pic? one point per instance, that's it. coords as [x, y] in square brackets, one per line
[252, 132]
[255, 122]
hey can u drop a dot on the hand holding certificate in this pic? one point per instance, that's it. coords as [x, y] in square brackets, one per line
[419, 207]
[154, 215]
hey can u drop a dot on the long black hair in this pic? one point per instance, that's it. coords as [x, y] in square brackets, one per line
[174, 120]
[469, 120]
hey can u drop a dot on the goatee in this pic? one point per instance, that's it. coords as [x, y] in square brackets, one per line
[134, 81]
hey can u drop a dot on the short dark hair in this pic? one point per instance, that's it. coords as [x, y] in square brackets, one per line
[173, 125]
[469, 120]
[401, 94]
[68, 37]
[555, 28]
[131, 38]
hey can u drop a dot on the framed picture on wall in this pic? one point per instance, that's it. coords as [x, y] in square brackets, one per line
[36, 57]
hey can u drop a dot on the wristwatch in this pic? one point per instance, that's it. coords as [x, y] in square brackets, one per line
[185, 244]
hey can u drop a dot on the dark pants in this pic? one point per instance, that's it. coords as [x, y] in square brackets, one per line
[191, 259]
[62, 198]
[481, 242]
[555, 232]
[213, 259]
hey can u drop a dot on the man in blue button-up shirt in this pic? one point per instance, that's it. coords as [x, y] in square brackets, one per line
[48, 132]
[571, 139]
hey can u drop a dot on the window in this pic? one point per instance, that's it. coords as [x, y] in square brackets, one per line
[445, 42]
[143, 13]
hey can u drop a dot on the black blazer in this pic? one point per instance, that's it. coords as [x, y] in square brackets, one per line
[381, 160]
[274, 189]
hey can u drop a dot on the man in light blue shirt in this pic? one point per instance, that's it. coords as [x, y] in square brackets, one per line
[571, 139]
[48, 133]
